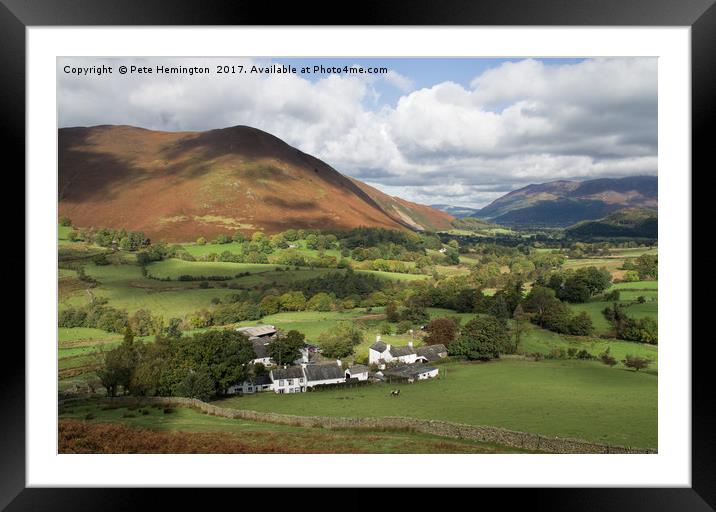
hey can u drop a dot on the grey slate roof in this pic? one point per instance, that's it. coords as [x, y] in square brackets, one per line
[358, 368]
[316, 372]
[432, 352]
[261, 380]
[258, 330]
[408, 370]
[379, 346]
[292, 372]
[260, 349]
[401, 351]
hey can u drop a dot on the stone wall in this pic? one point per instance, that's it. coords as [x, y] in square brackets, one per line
[480, 433]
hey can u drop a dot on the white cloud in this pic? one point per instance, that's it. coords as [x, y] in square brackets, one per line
[518, 123]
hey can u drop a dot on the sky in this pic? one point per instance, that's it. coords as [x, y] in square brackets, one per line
[457, 131]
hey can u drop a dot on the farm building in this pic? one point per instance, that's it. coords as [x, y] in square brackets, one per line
[430, 353]
[357, 371]
[252, 385]
[380, 353]
[411, 372]
[261, 352]
[288, 380]
[321, 374]
[258, 331]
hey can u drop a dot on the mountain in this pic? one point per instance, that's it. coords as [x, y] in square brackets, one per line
[177, 186]
[627, 222]
[456, 211]
[417, 216]
[562, 203]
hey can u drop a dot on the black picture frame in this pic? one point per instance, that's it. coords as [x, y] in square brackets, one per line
[700, 15]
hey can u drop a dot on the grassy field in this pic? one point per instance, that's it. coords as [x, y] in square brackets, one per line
[263, 437]
[174, 268]
[536, 340]
[578, 399]
[628, 293]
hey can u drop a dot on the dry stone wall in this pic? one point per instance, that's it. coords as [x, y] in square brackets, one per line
[480, 433]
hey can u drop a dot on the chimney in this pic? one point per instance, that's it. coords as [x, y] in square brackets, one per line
[377, 338]
[339, 363]
[388, 347]
[410, 344]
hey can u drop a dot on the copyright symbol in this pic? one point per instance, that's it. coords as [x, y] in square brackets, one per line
[123, 69]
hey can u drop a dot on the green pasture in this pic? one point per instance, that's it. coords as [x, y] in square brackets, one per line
[578, 399]
[536, 340]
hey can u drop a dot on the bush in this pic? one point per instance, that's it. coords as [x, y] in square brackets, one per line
[169, 410]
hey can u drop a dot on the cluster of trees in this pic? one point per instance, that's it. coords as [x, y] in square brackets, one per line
[199, 366]
[101, 316]
[483, 338]
[547, 311]
[341, 341]
[645, 267]
[578, 285]
[104, 237]
[642, 330]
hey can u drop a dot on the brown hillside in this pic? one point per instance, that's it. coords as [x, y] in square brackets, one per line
[417, 216]
[177, 186]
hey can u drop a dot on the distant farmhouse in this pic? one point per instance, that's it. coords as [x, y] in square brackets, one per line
[381, 353]
[261, 337]
[306, 374]
[411, 372]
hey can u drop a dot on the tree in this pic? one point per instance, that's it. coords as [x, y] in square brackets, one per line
[538, 301]
[386, 328]
[173, 329]
[201, 241]
[196, 384]
[342, 340]
[320, 302]
[293, 301]
[581, 324]
[286, 349]
[606, 358]
[636, 362]
[484, 338]
[391, 312]
[65, 221]
[647, 266]
[336, 348]
[118, 367]
[441, 331]
[519, 318]
[270, 304]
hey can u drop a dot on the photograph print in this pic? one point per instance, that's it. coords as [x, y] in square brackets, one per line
[357, 255]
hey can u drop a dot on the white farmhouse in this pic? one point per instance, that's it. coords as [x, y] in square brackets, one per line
[288, 380]
[252, 385]
[321, 374]
[380, 353]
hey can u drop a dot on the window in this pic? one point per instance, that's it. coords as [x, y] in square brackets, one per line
[290, 381]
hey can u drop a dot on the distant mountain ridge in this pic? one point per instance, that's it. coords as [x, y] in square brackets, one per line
[624, 223]
[177, 186]
[458, 212]
[563, 203]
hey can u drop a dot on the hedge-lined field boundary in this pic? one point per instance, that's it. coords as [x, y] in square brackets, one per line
[481, 433]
